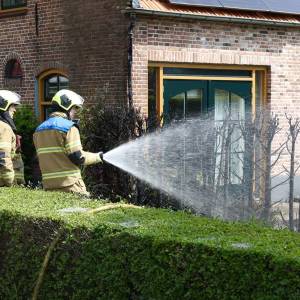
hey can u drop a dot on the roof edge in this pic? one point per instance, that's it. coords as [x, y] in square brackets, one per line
[209, 18]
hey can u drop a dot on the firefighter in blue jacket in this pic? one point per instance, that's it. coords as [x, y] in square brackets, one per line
[58, 146]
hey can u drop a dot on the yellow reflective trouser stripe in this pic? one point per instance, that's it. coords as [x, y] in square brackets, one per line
[60, 174]
[7, 175]
[51, 150]
[73, 144]
[19, 175]
[5, 145]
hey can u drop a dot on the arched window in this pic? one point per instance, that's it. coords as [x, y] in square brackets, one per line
[13, 69]
[49, 83]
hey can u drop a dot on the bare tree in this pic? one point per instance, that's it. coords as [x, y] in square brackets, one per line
[267, 134]
[260, 159]
[292, 135]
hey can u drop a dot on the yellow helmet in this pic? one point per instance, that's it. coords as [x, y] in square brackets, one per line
[66, 99]
[7, 98]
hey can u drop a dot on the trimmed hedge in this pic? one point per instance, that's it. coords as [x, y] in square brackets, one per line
[129, 253]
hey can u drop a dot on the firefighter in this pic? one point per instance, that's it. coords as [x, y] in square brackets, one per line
[58, 146]
[11, 164]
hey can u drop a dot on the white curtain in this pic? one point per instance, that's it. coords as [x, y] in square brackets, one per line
[230, 106]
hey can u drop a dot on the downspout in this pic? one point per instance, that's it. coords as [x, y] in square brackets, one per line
[130, 59]
[36, 98]
[36, 14]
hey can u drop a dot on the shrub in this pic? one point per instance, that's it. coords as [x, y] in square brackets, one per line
[138, 253]
[103, 129]
[26, 124]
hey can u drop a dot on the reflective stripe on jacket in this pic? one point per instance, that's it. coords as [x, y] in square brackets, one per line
[55, 140]
[7, 152]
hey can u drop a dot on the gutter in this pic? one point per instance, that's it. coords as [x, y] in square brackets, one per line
[209, 18]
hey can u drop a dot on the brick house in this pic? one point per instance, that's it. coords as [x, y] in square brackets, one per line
[161, 56]
[88, 44]
[81, 44]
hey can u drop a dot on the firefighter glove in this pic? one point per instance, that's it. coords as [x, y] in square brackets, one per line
[101, 155]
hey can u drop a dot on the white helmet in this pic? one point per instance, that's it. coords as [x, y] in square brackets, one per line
[66, 99]
[7, 98]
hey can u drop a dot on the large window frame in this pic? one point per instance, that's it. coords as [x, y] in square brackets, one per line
[43, 102]
[160, 77]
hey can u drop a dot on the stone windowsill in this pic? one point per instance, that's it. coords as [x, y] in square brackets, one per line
[13, 12]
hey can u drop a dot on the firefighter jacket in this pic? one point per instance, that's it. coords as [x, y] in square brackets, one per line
[7, 152]
[60, 154]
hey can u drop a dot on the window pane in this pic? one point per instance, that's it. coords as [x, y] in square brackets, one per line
[194, 103]
[53, 80]
[53, 84]
[63, 83]
[236, 174]
[238, 143]
[204, 72]
[6, 4]
[51, 87]
[177, 107]
[229, 107]
[221, 104]
[237, 107]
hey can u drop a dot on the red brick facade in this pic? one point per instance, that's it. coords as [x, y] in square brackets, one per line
[85, 39]
[89, 41]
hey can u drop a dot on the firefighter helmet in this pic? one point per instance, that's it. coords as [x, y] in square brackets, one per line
[7, 98]
[66, 99]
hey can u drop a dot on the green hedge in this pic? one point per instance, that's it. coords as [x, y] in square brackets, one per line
[26, 123]
[129, 253]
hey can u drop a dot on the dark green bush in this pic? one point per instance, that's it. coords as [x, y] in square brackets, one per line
[139, 253]
[26, 124]
[104, 128]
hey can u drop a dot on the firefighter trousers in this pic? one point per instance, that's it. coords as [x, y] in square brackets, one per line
[6, 178]
[77, 188]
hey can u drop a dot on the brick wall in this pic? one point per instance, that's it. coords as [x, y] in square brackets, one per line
[85, 38]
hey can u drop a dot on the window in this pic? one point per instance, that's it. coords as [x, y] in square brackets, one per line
[50, 83]
[53, 84]
[9, 4]
[13, 69]
[180, 92]
[229, 96]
